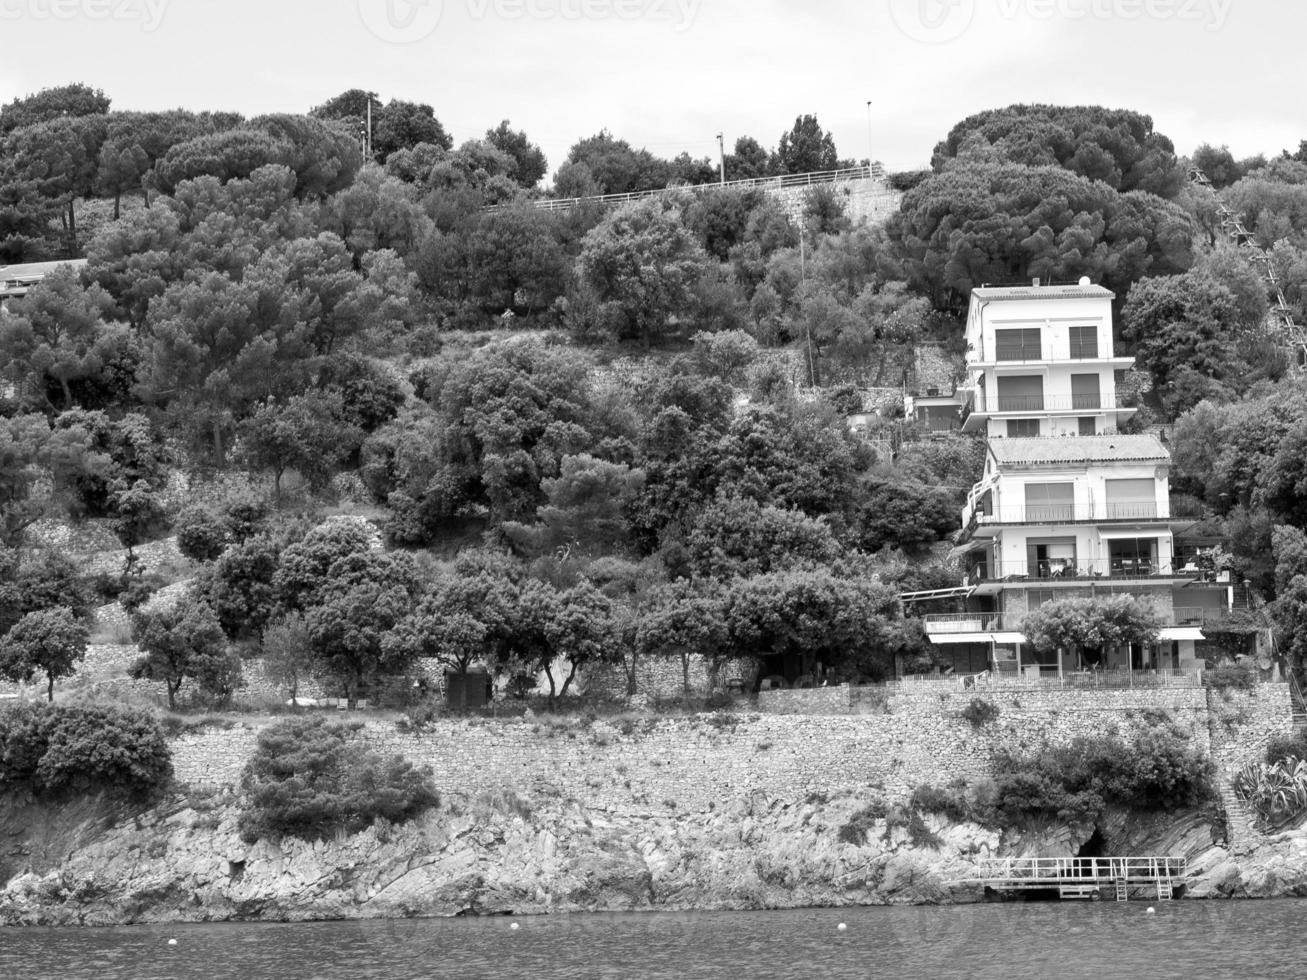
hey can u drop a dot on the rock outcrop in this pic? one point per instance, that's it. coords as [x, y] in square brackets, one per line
[97, 863]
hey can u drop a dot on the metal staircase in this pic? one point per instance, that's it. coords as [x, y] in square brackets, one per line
[1281, 318]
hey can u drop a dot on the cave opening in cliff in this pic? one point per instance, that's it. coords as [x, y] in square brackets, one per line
[1094, 846]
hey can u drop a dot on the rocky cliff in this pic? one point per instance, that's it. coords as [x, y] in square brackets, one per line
[95, 862]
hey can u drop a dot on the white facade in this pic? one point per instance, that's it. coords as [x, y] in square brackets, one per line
[1040, 362]
[1068, 505]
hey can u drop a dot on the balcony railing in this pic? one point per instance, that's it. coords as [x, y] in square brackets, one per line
[1089, 569]
[1055, 513]
[989, 403]
[999, 622]
[1035, 676]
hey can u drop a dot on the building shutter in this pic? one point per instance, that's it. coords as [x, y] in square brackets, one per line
[1050, 501]
[1018, 345]
[1084, 342]
[1021, 393]
[1131, 498]
[1086, 391]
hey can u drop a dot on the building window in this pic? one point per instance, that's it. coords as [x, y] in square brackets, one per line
[1131, 499]
[1017, 428]
[1084, 342]
[1018, 345]
[1133, 556]
[1021, 393]
[1050, 501]
[1089, 426]
[1085, 391]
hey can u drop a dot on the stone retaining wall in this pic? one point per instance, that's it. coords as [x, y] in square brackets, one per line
[692, 762]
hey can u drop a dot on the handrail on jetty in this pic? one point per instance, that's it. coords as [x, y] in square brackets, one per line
[1084, 877]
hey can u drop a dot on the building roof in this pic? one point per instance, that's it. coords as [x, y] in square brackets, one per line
[1043, 292]
[30, 272]
[1079, 449]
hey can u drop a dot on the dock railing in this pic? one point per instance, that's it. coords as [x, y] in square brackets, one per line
[1018, 873]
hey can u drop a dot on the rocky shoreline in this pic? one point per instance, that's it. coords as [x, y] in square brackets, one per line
[92, 862]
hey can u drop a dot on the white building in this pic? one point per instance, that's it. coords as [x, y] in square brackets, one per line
[1067, 506]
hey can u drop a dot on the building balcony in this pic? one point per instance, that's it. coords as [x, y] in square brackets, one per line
[1082, 570]
[944, 624]
[979, 407]
[1098, 513]
[1030, 356]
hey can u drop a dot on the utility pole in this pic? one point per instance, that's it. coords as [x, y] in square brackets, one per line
[869, 157]
[807, 328]
[721, 155]
[369, 126]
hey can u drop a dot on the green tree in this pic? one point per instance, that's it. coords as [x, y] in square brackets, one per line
[365, 596]
[179, 642]
[735, 538]
[311, 779]
[529, 163]
[287, 652]
[56, 102]
[307, 433]
[1091, 625]
[641, 264]
[302, 573]
[401, 124]
[58, 333]
[806, 148]
[1116, 146]
[978, 223]
[50, 641]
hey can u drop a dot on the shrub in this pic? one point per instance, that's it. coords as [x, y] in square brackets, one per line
[1289, 748]
[1225, 677]
[59, 749]
[309, 778]
[980, 712]
[949, 801]
[1157, 771]
[854, 830]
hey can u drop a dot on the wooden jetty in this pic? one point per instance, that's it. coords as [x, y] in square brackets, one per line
[1086, 877]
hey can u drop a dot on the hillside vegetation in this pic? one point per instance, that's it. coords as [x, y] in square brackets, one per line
[586, 435]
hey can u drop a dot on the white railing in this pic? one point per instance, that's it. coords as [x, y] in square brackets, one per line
[1035, 872]
[874, 172]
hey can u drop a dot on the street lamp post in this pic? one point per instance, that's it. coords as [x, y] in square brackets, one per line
[869, 138]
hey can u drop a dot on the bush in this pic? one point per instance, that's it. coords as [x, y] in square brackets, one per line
[1287, 748]
[1225, 677]
[1157, 771]
[980, 712]
[309, 779]
[58, 749]
[855, 829]
[951, 802]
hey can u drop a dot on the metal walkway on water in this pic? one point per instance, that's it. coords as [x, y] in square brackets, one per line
[1086, 877]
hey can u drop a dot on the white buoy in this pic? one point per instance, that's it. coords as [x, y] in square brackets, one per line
[172, 942]
[514, 926]
[1150, 911]
[841, 927]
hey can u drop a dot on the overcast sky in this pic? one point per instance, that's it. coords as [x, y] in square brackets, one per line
[670, 74]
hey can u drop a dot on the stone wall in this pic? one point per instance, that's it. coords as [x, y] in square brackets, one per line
[690, 762]
[870, 200]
